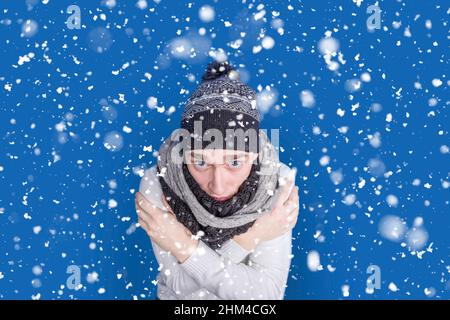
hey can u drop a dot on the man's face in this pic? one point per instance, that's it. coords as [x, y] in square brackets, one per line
[220, 172]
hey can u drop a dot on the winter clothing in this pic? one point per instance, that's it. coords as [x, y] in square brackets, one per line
[194, 213]
[222, 102]
[228, 273]
[219, 268]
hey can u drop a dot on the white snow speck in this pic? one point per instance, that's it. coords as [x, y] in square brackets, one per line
[345, 290]
[25, 58]
[313, 261]
[417, 238]
[392, 228]
[141, 4]
[112, 203]
[266, 99]
[152, 102]
[268, 42]
[436, 83]
[328, 46]
[392, 200]
[29, 28]
[307, 99]
[206, 13]
[350, 199]
[393, 287]
[37, 229]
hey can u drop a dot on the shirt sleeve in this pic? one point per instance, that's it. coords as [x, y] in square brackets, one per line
[233, 251]
[169, 270]
[174, 278]
[177, 279]
[264, 277]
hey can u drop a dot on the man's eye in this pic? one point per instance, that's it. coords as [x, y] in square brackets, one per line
[200, 163]
[234, 163]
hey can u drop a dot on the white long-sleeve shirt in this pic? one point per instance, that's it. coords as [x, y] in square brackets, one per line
[230, 272]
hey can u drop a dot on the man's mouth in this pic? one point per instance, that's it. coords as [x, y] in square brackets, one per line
[221, 198]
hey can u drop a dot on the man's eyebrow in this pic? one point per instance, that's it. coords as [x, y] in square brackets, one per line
[196, 154]
[226, 157]
[235, 156]
[200, 156]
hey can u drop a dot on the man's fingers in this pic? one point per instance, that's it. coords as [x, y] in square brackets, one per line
[144, 214]
[294, 194]
[290, 206]
[288, 184]
[284, 193]
[144, 203]
[291, 210]
[292, 218]
[166, 204]
[293, 214]
[150, 209]
[144, 225]
[292, 202]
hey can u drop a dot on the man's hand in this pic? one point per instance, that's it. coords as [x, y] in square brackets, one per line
[164, 229]
[274, 224]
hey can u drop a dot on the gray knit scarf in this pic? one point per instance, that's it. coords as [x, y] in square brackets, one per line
[266, 194]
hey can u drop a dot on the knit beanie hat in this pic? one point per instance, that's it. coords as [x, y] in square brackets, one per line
[222, 111]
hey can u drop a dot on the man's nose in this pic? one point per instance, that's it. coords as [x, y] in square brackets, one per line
[217, 184]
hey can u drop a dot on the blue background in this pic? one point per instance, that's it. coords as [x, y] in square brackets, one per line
[57, 174]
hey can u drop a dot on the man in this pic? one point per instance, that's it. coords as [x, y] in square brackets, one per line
[219, 207]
